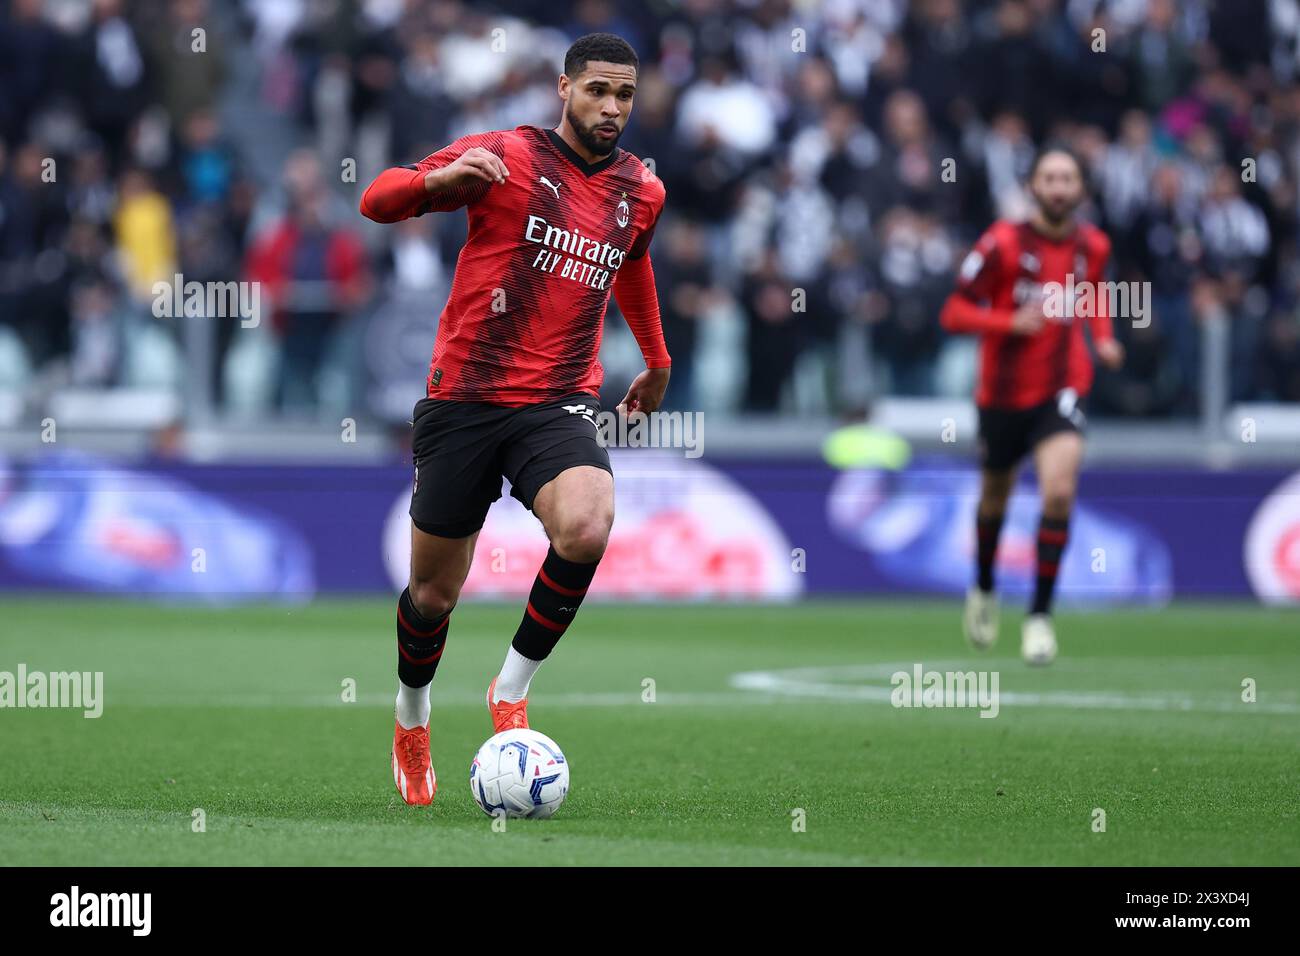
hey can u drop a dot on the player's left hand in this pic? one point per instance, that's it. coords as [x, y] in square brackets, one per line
[1110, 353]
[646, 392]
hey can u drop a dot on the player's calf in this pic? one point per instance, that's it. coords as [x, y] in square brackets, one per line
[553, 602]
[577, 509]
[980, 617]
[988, 529]
[420, 642]
[1050, 546]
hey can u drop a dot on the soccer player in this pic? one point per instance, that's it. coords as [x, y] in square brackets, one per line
[1034, 373]
[558, 219]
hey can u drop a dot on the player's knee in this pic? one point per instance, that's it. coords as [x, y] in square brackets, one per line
[583, 539]
[993, 501]
[1058, 498]
[995, 489]
[432, 598]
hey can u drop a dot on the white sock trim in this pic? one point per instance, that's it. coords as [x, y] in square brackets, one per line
[412, 709]
[516, 674]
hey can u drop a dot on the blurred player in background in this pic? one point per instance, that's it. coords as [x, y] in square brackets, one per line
[1034, 373]
[558, 219]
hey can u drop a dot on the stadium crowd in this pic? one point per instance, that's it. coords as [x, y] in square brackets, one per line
[803, 147]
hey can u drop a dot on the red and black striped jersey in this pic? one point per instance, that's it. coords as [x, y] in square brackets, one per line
[527, 307]
[1011, 264]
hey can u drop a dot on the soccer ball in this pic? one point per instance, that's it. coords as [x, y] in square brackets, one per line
[521, 772]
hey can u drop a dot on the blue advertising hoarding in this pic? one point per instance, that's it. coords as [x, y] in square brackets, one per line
[685, 529]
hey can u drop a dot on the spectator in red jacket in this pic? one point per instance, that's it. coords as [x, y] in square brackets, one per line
[313, 275]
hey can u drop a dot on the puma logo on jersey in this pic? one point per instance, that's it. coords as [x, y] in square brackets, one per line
[550, 185]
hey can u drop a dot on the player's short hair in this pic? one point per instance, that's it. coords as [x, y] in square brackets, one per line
[1050, 149]
[601, 47]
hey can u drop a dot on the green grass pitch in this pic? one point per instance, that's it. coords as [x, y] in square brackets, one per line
[239, 713]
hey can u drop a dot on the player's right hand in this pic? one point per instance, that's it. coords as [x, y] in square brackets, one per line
[1110, 353]
[646, 393]
[1028, 319]
[474, 165]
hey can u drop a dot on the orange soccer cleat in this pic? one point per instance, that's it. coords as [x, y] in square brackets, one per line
[505, 715]
[412, 770]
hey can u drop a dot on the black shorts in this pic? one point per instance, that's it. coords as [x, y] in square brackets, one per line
[1009, 434]
[462, 450]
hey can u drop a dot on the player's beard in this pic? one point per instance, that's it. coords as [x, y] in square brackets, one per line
[587, 135]
[1059, 214]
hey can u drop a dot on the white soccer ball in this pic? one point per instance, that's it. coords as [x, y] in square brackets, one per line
[520, 772]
